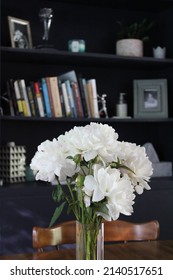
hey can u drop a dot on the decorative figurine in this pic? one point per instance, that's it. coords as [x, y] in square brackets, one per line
[103, 110]
[46, 16]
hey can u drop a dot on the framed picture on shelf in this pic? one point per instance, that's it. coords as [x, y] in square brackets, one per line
[20, 33]
[150, 98]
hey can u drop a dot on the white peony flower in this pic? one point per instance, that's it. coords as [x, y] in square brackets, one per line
[121, 199]
[107, 183]
[90, 141]
[135, 158]
[49, 161]
[45, 160]
[101, 183]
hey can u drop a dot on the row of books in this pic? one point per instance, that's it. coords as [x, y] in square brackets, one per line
[58, 96]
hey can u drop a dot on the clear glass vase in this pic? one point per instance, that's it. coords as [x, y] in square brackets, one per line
[89, 241]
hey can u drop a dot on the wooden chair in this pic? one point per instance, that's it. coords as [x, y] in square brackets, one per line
[126, 231]
[65, 233]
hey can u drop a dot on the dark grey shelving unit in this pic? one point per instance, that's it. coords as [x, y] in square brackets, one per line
[23, 205]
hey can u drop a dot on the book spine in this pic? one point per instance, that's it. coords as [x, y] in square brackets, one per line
[10, 86]
[55, 96]
[18, 98]
[22, 87]
[25, 112]
[90, 98]
[39, 99]
[77, 99]
[66, 100]
[92, 82]
[86, 96]
[50, 96]
[61, 97]
[46, 97]
[71, 99]
[34, 99]
[10, 100]
[42, 97]
[31, 100]
[83, 97]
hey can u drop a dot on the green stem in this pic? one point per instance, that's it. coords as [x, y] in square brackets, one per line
[75, 209]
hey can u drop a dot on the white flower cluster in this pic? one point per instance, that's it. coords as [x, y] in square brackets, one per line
[119, 169]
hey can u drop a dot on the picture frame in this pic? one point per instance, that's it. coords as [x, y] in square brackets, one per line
[150, 98]
[20, 33]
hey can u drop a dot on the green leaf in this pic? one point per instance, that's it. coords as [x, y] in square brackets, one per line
[58, 194]
[57, 213]
[101, 207]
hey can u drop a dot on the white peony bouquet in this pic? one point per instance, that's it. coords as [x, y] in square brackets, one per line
[102, 174]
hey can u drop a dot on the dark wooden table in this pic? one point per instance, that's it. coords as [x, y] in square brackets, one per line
[145, 250]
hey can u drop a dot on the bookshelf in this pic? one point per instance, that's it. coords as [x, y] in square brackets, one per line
[113, 74]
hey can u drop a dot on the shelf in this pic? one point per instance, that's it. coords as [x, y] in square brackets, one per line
[86, 120]
[158, 5]
[53, 56]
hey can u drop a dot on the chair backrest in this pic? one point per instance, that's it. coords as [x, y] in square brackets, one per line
[126, 231]
[65, 233]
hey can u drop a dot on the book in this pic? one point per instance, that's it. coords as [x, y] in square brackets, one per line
[90, 98]
[66, 100]
[61, 98]
[10, 88]
[25, 113]
[93, 97]
[23, 92]
[8, 98]
[84, 83]
[50, 96]
[46, 97]
[83, 96]
[77, 96]
[71, 99]
[31, 84]
[55, 96]
[18, 98]
[39, 99]
[42, 97]
[71, 76]
[31, 100]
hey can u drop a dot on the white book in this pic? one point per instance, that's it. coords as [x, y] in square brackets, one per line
[18, 98]
[39, 99]
[92, 82]
[66, 100]
[24, 91]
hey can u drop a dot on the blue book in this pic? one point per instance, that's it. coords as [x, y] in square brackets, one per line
[46, 97]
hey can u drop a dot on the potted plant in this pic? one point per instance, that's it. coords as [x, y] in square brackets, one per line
[131, 38]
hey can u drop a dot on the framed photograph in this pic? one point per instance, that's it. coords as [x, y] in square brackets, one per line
[150, 98]
[20, 33]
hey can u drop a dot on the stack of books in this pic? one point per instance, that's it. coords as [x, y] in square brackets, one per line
[65, 95]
